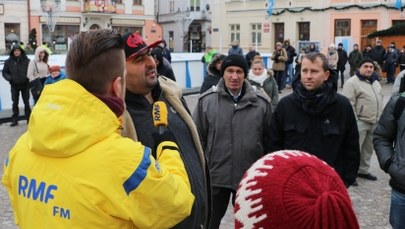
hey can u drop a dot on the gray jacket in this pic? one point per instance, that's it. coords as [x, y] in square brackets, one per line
[233, 134]
[389, 144]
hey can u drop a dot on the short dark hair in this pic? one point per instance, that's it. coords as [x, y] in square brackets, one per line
[93, 59]
[312, 57]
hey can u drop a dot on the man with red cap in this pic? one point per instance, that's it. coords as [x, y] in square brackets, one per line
[144, 87]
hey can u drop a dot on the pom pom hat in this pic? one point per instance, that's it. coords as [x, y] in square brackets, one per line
[293, 190]
[54, 68]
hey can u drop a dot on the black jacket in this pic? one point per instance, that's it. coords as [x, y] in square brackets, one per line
[378, 54]
[15, 68]
[342, 61]
[323, 125]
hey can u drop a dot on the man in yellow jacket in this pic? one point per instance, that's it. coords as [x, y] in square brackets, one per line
[72, 168]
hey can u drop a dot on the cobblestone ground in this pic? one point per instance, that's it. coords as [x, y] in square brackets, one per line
[371, 199]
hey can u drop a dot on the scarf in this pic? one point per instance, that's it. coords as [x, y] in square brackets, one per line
[114, 103]
[371, 80]
[258, 79]
[314, 102]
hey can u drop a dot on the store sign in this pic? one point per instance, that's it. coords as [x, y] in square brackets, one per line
[128, 22]
[63, 20]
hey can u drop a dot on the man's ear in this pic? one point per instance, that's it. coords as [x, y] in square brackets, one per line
[117, 87]
[327, 75]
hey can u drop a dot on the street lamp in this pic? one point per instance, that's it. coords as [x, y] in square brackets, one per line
[49, 9]
[183, 20]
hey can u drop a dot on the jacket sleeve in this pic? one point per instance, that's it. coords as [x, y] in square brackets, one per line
[6, 71]
[384, 135]
[163, 198]
[349, 161]
[200, 123]
[349, 91]
[31, 74]
[274, 95]
[276, 132]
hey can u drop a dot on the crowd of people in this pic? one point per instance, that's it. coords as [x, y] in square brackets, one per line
[103, 161]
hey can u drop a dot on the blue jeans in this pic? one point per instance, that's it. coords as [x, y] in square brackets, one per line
[397, 211]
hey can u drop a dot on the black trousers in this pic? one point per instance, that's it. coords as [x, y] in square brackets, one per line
[15, 97]
[278, 75]
[220, 201]
[342, 76]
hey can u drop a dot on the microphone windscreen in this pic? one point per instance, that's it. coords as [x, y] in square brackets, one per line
[159, 114]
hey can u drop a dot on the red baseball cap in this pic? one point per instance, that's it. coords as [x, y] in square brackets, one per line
[135, 45]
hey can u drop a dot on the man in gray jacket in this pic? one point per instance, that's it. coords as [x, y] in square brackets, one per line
[365, 94]
[389, 144]
[233, 119]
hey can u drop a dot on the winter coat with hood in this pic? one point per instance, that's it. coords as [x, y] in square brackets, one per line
[223, 123]
[279, 58]
[213, 74]
[342, 59]
[38, 68]
[81, 169]
[389, 144]
[366, 96]
[313, 121]
[15, 68]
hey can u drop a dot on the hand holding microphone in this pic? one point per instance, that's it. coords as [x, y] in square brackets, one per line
[159, 115]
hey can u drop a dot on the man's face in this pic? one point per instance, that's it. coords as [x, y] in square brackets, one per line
[234, 77]
[17, 52]
[366, 69]
[141, 75]
[355, 47]
[312, 74]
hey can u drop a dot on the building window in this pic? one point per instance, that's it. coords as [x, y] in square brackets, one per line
[395, 22]
[235, 32]
[137, 2]
[256, 33]
[367, 27]
[342, 27]
[303, 31]
[195, 5]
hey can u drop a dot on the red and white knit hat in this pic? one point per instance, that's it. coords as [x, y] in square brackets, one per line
[292, 190]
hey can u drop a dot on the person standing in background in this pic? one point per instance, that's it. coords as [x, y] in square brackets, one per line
[279, 58]
[251, 54]
[341, 65]
[213, 73]
[15, 72]
[378, 53]
[365, 95]
[355, 57]
[289, 65]
[38, 68]
[165, 51]
[235, 49]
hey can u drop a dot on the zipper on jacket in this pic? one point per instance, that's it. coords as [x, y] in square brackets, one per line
[378, 105]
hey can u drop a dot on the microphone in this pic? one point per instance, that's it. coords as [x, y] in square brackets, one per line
[159, 114]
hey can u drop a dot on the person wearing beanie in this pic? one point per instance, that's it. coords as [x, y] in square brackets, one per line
[355, 56]
[341, 64]
[315, 117]
[233, 120]
[162, 68]
[213, 73]
[55, 75]
[291, 189]
[144, 87]
[15, 72]
[73, 169]
[366, 96]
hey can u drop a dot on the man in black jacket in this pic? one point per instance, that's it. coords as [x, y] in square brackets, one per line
[318, 120]
[15, 72]
[341, 65]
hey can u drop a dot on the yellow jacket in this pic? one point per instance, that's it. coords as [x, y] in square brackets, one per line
[72, 169]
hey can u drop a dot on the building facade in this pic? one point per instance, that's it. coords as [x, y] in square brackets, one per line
[56, 22]
[321, 22]
[186, 24]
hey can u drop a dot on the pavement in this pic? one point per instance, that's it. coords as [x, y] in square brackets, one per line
[371, 199]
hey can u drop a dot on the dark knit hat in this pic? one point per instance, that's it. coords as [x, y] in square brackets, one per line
[235, 60]
[291, 189]
[135, 44]
[366, 60]
[340, 44]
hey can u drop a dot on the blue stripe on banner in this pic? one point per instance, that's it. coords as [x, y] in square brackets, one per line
[398, 4]
[270, 7]
[140, 173]
[188, 77]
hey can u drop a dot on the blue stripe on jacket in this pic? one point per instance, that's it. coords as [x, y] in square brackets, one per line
[139, 174]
